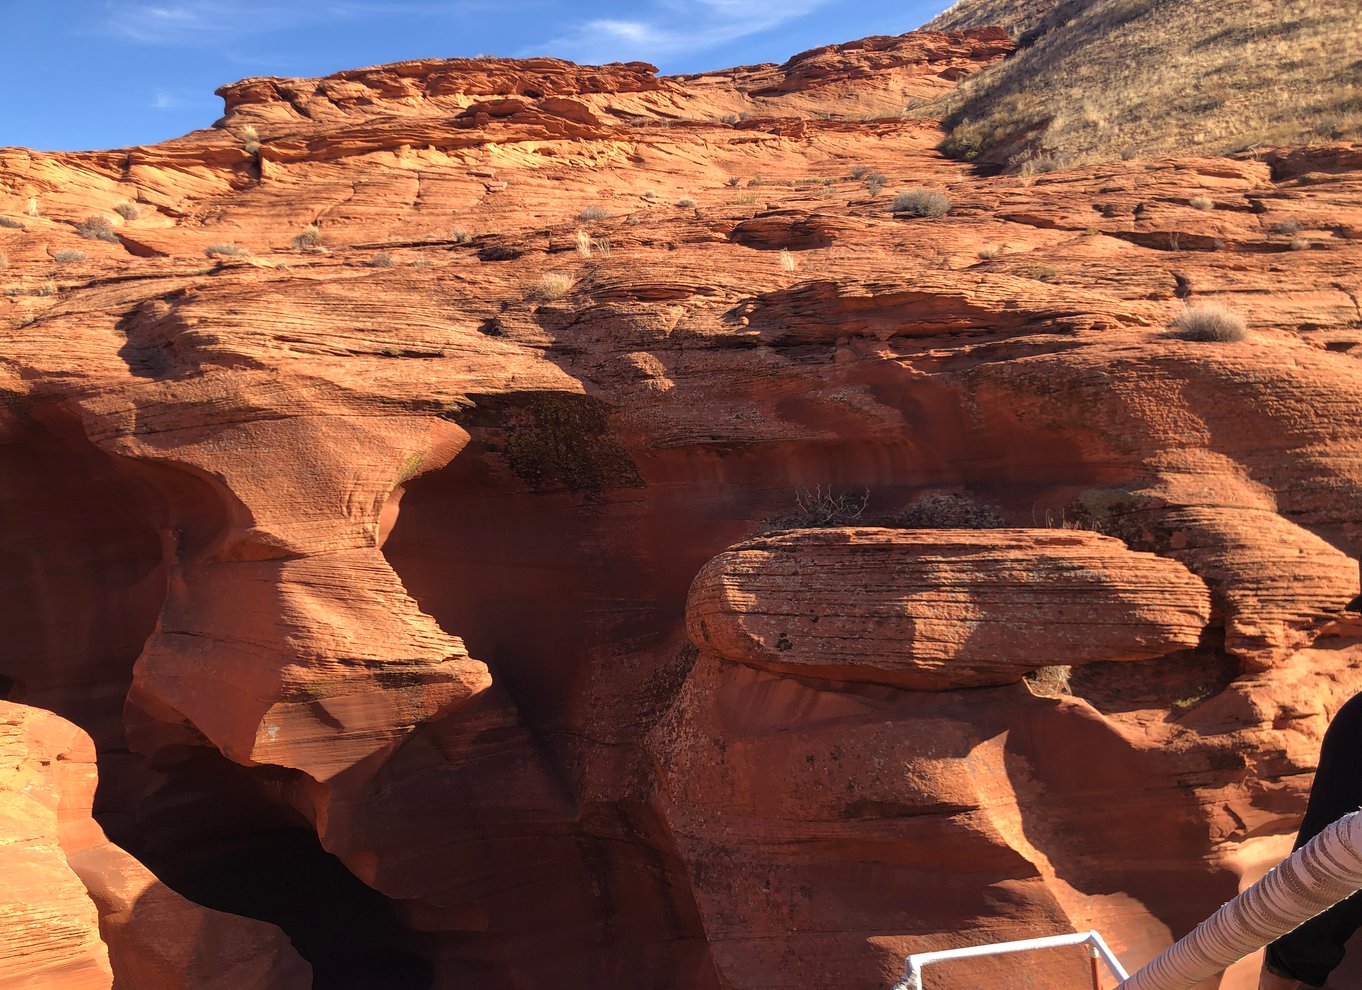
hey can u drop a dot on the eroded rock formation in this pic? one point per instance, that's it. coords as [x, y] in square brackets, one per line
[362, 550]
[79, 911]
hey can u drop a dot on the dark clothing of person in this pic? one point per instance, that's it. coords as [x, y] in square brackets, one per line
[1314, 950]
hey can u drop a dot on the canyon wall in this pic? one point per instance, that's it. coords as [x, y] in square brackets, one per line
[400, 514]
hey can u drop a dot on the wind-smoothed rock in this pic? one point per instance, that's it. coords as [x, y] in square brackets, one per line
[80, 912]
[361, 548]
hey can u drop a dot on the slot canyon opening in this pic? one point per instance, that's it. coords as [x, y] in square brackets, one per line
[220, 835]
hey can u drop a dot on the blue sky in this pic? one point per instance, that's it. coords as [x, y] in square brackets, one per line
[82, 74]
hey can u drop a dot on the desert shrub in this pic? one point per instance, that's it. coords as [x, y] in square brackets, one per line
[732, 180]
[860, 171]
[1299, 244]
[554, 285]
[492, 327]
[1050, 682]
[787, 260]
[97, 229]
[989, 251]
[1037, 163]
[311, 237]
[649, 195]
[224, 251]
[382, 260]
[921, 203]
[1041, 273]
[948, 510]
[685, 202]
[756, 180]
[460, 235]
[127, 210]
[1209, 321]
[1201, 203]
[594, 213]
[819, 509]
[875, 183]
[1286, 228]
[67, 256]
[12, 223]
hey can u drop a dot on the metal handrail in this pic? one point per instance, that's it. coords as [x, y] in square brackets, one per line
[1097, 948]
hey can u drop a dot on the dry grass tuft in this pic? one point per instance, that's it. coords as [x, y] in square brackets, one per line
[68, 256]
[553, 286]
[1209, 321]
[685, 202]
[787, 260]
[588, 245]
[128, 210]
[1201, 203]
[382, 260]
[224, 251]
[311, 237]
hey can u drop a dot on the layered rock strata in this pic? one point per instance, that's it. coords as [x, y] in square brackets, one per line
[353, 487]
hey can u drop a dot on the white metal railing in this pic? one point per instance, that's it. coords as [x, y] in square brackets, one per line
[1097, 949]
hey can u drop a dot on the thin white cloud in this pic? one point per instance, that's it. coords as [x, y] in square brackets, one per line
[186, 23]
[671, 28]
[165, 100]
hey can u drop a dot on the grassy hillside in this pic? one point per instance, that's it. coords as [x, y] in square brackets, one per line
[1105, 79]
[1016, 17]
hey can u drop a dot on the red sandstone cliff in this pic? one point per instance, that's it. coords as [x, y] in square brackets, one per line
[369, 560]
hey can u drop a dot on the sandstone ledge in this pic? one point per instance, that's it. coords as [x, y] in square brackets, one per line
[938, 609]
